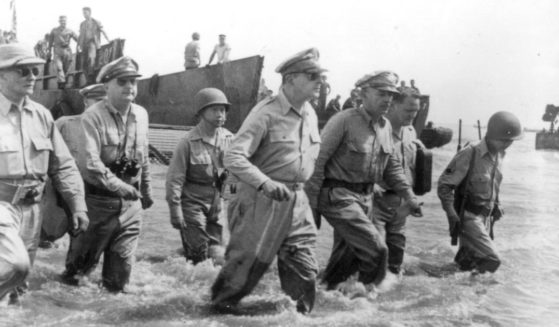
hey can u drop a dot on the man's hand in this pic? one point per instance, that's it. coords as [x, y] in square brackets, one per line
[178, 223]
[128, 192]
[454, 226]
[276, 191]
[411, 207]
[378, 190]
[147, 201]
[80, 222]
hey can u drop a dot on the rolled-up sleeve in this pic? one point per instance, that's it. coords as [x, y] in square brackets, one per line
[331, 137]
[243, 146]
[65, 175]
[176, 177]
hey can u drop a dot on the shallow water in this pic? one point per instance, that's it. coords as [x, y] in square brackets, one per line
[166, 291]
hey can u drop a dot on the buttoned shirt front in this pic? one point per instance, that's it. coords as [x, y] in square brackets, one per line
[276, 141]
[192, 163]
[107, 137]
[61, 37]
[405, 151]
[356, 149]
[31, 147]
[485, 179]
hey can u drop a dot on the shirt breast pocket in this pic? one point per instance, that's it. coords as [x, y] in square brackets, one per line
[9, 155]
[359, 156]
[109, 148]
[481, 185]
[42, 147]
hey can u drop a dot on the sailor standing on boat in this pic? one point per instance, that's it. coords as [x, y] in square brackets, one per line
[115, 167]
[30, 149]
[273, 155]
[469, 193]
[60, 39]
[356, 152]
[196, 177]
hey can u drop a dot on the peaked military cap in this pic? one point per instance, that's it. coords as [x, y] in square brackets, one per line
[93, 91]
[121, 67]
[305, 61]
[380, 80]
[16, 54]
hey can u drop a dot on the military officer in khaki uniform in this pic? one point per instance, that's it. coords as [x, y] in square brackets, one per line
[31, 148]
[469, 192]
[273, 155]
[115, 167]
[196, 176]
[390, 221]
[357, 151]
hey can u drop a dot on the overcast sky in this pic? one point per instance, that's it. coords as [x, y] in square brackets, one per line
[472, 57]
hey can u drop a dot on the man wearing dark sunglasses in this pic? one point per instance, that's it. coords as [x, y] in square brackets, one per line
[273, 155]
[59, 41]
[114, 164]
[356, 152]
[31, 148]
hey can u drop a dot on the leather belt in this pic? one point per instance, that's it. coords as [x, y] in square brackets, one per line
[477, 209]
[190, 181]
[21, 193]
[364, 188]
[91, 189]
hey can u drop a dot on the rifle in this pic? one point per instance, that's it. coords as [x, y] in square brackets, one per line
[460, 198]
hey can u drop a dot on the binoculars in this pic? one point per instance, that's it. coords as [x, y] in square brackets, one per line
[125, 167]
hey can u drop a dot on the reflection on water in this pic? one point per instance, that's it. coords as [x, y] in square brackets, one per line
[166, 291]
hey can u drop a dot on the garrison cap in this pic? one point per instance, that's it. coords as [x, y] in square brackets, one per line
[305, 61]
[121, 67]
[15, 54]
[381, 80]
[94, 91]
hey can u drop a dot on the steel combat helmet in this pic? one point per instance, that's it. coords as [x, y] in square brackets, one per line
[504, 125]
[208, 97]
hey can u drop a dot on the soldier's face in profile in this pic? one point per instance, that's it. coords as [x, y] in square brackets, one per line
[376, 102]
[308, 84]
[19, 81]
[499, 145]
[121, 89]
[214, 115]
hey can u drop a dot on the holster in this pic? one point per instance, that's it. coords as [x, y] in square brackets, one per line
[22, 193]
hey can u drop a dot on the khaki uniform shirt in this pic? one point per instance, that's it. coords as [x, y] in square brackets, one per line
[485, 178]
[192, 54]
[356, 149]
[107, 138]
[90, 31]
[405, 151]
[31, 147]
[192, 162]
[277, 142]
[61, 37]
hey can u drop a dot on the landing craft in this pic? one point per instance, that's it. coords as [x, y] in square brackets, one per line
[167, 98]
[549, 139]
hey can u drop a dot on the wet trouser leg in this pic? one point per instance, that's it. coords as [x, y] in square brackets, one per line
[14, 258]
[392, 227]
[349, 214]
[260, 229]
[477, 250]
[201, 208]
[113, 229]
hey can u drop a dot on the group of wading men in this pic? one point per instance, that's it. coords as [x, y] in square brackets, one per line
[282, 176]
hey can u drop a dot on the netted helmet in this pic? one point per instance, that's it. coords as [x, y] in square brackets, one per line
[504, 125]
[208, 97]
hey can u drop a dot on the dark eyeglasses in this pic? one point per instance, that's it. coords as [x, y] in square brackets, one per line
[123, 81]
[25, 71]
[314, 76]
